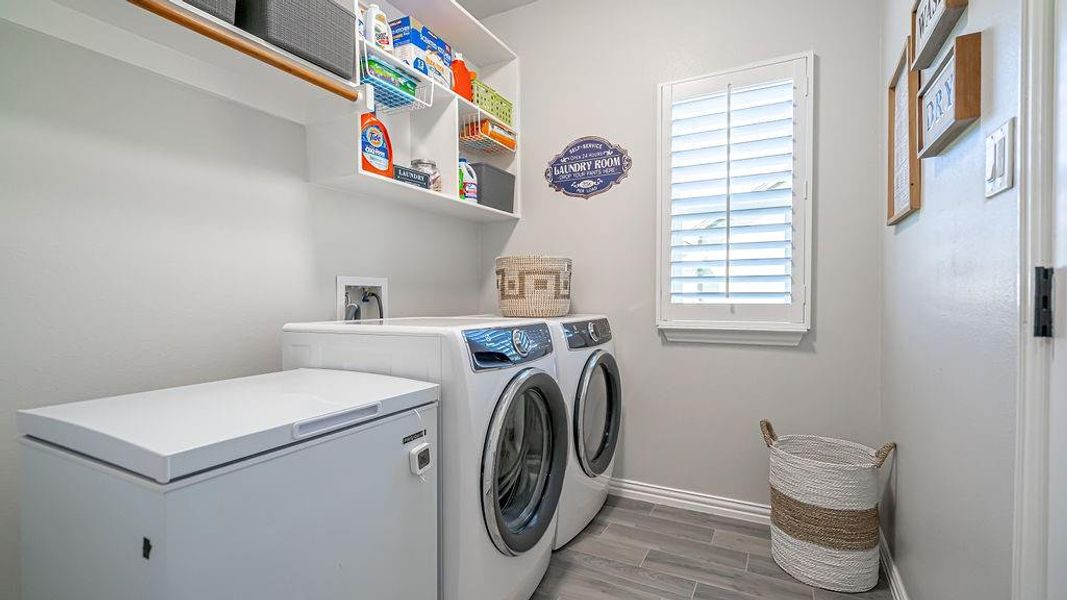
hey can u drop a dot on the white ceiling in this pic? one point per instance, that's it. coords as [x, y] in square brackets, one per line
[485, 8]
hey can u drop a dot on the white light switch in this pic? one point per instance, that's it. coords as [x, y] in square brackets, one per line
[1000, 159]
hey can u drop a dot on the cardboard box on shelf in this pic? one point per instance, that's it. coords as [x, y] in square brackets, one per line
[419, 47]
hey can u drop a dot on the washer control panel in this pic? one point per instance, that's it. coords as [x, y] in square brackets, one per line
[500, 347]
[586, 334]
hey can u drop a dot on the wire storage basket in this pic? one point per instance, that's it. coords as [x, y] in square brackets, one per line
[533, 286]
[481, 134]
[396, 87]
[824, 509]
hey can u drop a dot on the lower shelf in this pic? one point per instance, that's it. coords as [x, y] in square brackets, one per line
[436, 202]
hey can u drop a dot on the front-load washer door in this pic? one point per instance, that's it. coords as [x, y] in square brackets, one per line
[597, 413]
[523, 462]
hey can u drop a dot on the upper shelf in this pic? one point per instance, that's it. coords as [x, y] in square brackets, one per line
[203, 52]
[452, 23]
[191, 52]
[467, 109]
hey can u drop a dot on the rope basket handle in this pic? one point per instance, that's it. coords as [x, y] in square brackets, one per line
[883, 453]
[769, 436]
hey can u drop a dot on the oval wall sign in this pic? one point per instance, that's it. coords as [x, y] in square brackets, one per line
[588, 166]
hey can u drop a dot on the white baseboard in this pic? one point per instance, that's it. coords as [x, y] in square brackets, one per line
[705, 503]
[735, 509]
[892, 574]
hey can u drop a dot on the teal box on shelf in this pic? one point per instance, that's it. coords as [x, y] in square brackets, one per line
[419, 47]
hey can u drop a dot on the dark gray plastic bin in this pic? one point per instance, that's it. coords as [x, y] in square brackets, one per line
[319, 31]
[223, 9]
[496, 187]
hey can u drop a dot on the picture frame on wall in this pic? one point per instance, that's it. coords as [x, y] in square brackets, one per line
[931, 24]
[950, 99]
[905, 180]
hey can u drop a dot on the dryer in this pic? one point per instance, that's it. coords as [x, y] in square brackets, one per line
[503, 443]
[592, 387]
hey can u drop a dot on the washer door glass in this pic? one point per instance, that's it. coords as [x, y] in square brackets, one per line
[597, 413]
[525, 454]
[523, 458]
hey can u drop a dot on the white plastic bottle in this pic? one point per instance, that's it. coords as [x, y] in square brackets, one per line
[468, 182]
[377, 27]
[361, 25]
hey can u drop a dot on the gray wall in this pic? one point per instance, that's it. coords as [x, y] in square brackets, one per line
[950, 343]
[152, 235]
[692, 411]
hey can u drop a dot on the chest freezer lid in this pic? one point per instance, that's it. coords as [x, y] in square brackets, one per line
[166, 434]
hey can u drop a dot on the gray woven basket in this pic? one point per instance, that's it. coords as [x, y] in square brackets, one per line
[223, 9]
[533, 286]
[319, 31]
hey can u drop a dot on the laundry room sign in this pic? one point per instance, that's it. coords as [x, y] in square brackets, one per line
[588, 166]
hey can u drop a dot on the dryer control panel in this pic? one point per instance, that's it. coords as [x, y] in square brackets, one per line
[586, 334]
[501, 347]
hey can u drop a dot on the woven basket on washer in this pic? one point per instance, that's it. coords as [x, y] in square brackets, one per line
[533, 286]
[824, 509]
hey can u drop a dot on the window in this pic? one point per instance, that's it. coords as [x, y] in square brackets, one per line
[734, 199]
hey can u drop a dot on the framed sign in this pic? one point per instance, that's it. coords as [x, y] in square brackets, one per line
[588, 166]
[951, 99]
[905, 181]
[931, 23]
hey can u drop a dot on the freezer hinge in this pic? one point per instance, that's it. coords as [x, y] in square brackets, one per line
[1043, 302]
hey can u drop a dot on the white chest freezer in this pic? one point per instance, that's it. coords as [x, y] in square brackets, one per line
[310, 484]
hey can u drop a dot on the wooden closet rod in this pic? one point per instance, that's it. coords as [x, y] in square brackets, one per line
[169, 11]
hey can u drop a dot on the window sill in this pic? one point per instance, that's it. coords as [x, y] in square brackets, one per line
[749, 334]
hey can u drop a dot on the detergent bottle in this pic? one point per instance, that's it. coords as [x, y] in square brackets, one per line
[378, 30]
[468, 181]
[461, 78]
[375, 148]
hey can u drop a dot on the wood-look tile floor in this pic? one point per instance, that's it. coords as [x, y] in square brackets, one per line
[640, 551]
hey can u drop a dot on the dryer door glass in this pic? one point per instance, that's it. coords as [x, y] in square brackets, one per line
[525, 454]
[597, 413]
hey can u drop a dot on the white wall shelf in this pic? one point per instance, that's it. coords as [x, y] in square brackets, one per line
[436, 202]
[430, 132]
[187, 45]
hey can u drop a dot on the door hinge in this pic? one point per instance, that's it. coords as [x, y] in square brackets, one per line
[1043, 301]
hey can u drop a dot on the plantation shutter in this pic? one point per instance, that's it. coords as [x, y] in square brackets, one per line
[734, 199]
[731, 183]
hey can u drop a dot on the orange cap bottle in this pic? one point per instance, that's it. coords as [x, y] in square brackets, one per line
[461, 78]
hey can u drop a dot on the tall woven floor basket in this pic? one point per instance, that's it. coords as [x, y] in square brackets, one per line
[824, 509]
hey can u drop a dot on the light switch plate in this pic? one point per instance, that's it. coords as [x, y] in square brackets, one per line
[1000, 159]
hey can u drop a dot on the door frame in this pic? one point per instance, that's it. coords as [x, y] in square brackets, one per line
[1036, 197]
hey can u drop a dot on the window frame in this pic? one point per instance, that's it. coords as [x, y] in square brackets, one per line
[776, 325]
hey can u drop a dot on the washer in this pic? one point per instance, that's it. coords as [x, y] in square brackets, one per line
[592, 387]
[503, 442]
